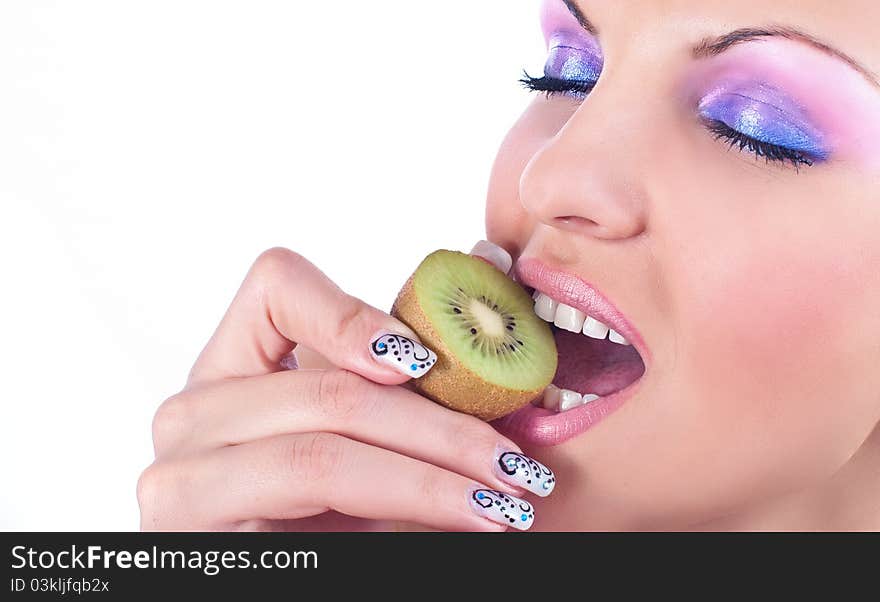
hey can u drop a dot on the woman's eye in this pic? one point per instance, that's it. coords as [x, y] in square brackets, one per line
[755, 118]
[573, 67]
[763, 128]
[759, 148]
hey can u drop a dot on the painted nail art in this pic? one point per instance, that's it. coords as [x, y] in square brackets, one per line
[289, 362]
[502, 508]
[494, 254]
[403, 354]
[522, 471]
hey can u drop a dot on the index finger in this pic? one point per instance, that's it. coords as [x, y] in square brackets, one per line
[285, 300]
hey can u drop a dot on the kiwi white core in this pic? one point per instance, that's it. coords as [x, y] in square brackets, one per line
[489, 319]
[486, 321]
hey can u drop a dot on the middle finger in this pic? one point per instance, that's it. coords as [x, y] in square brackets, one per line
[337, 401]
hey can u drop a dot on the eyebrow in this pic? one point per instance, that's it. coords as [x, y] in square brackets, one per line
[715, 46]
[580, 16]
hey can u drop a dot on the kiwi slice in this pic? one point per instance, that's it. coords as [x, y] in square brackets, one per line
[494, 355]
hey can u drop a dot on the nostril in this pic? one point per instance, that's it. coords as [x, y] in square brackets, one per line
[576, 223]
[574, 220]
[597, 229]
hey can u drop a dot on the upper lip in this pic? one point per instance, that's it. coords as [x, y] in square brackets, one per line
[575, 292]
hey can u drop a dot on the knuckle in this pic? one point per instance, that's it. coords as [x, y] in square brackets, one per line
[273, 263]
[170, 422]
[276, 258]
[151, 489]
[315, 457]
[146, 487]
[164, 494]
[479, 436]
[353, 312]
[337, 394]
[429, 486]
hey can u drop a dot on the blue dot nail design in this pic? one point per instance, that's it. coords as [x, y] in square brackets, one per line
[522, 471]
[501, 508]
[403, 354]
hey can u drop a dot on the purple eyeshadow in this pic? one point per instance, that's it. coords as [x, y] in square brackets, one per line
[766, 114]
[573, 57]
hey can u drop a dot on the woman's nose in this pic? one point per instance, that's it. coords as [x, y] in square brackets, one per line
[582, 179]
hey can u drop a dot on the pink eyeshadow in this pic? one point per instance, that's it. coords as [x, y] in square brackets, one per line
[839, 101]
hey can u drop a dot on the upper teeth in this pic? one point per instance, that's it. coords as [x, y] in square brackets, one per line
[571, 319]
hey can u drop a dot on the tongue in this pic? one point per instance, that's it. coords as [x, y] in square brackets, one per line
[588, 365]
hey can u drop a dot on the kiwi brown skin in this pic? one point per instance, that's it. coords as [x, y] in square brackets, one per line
[449, 382]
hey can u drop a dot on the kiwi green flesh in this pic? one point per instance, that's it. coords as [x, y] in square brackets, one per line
[486, 320]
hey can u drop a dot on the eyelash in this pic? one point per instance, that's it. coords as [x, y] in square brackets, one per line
[552, 86]
[759, 148]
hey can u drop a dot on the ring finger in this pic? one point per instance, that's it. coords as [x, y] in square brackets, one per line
[294, 476]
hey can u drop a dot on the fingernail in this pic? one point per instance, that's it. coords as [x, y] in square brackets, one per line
[402, 353]
[494, 254]
[522, 471]
[289, 362]
[502, 508]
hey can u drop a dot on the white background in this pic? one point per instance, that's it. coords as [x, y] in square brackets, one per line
[150, 150]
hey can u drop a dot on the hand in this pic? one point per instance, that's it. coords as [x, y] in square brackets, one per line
[250, 445]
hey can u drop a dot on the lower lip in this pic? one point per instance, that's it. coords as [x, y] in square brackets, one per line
[539, 426]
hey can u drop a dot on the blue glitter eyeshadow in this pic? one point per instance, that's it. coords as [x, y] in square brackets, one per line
[572, 64]
[766, 115]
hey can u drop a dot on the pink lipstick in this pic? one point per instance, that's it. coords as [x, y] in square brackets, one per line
[607, 373]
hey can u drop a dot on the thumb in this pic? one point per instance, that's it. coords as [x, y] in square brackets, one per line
[494, 254]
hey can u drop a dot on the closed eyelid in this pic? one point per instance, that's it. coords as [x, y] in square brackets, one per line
[747, 97]
[572, 57]
[775, 99]
[765, 121]
[812, 88]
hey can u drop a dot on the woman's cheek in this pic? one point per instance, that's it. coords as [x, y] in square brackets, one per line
[770, 355]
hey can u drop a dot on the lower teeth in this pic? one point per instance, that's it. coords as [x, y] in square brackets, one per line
[561, 400]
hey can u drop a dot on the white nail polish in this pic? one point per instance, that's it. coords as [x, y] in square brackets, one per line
[502, 508]
[403, 354]
[494, 254]
[521, 471]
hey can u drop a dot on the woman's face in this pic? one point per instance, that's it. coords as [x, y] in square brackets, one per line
[723, 193]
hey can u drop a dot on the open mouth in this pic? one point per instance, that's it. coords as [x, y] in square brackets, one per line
[595, 360]
[602, 357]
